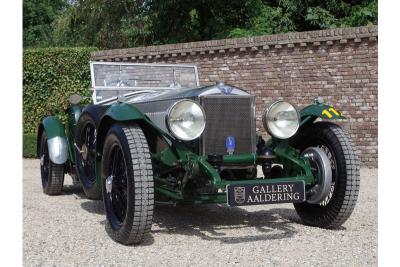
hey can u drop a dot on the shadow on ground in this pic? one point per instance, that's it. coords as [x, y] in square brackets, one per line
[74, 190]
[216, 222]
[94, 206]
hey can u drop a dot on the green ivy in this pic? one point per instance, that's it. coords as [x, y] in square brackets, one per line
[50, 76]
[29, 146]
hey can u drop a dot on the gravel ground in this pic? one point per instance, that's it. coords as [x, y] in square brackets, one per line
[69, 230]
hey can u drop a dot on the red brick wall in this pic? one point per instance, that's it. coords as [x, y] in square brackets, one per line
[341, 65]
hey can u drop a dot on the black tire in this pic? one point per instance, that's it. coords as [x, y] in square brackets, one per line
[339, 204]
[52, 174]
[85, 156]
[129, 202]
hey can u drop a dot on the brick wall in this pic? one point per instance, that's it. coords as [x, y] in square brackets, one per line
[341, 65]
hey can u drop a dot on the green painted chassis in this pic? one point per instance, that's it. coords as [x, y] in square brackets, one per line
[178, 155]
[283, 154]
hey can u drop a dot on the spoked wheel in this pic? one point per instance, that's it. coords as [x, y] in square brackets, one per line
[322, 170]
[128, 185]
[52, 174]
[338, 204]
[334, 172]
[116, 186]
[85, 155]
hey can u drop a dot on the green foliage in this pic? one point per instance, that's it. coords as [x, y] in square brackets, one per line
[365, 14]
[130, 23]
[184, 21]
[50, 76]
[103, 24]
[29, 145]
[296, 15]
[37, 20]
[136, 31]
[269, 20]
[320, 18]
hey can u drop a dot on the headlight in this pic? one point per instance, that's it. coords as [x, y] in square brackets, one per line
[186, 120]
[281, 119]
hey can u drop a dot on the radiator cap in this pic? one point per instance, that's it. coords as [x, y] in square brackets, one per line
[225, 89]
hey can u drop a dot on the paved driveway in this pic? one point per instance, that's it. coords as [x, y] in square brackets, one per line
[68, 230]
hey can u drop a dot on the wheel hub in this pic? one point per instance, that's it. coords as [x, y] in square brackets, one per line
[322, 171]
[42, 160]
[109, 182]
[85, 151]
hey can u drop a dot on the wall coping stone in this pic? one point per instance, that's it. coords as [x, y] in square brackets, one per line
[254, 43]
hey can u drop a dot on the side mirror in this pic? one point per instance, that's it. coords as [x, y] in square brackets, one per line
[75, 99]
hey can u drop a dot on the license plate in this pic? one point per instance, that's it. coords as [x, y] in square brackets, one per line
[258, 194]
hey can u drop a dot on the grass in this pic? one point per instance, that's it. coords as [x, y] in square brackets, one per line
[29, 146]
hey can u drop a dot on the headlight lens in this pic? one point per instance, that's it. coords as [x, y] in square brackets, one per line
[186, 120]
[281, 119]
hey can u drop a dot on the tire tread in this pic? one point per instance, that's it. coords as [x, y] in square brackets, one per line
[346, 198]
[56, 181]
[143, 200]
[353, 177]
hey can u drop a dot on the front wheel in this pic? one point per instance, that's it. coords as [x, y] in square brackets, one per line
[339, 204]
[127, 184]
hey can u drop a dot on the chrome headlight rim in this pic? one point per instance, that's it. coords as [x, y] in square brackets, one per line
[167, 122]
[267, 110]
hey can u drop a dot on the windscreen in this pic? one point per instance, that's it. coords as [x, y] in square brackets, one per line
[131, 75]
[113, 79]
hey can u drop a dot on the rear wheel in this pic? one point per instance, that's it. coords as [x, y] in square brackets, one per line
[128, 185]
[337, 206]
[85, 155]
[52, 174]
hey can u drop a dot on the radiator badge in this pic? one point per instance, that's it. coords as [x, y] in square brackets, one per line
[230, 144]
[226, 90]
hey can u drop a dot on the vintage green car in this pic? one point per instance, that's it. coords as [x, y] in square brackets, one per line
[153, 135]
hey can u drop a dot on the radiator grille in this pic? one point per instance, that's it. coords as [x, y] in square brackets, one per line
[228, 115]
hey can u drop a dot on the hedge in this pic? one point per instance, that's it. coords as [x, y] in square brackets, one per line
[29, 146]
[50, 76]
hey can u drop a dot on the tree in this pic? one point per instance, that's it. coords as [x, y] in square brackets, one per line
[184, 20]
[103, 24]
[297, 15]
[38, 16]
[130, 23]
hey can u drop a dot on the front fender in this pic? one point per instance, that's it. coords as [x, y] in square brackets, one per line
[56, 139]
[121, 112]
[312, 112]
[117, 112]
[124, 112]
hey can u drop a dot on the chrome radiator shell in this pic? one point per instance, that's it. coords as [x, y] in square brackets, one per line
[228, 115]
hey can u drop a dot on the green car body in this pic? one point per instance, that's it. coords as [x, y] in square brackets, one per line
[153, 135]
[178, 154]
